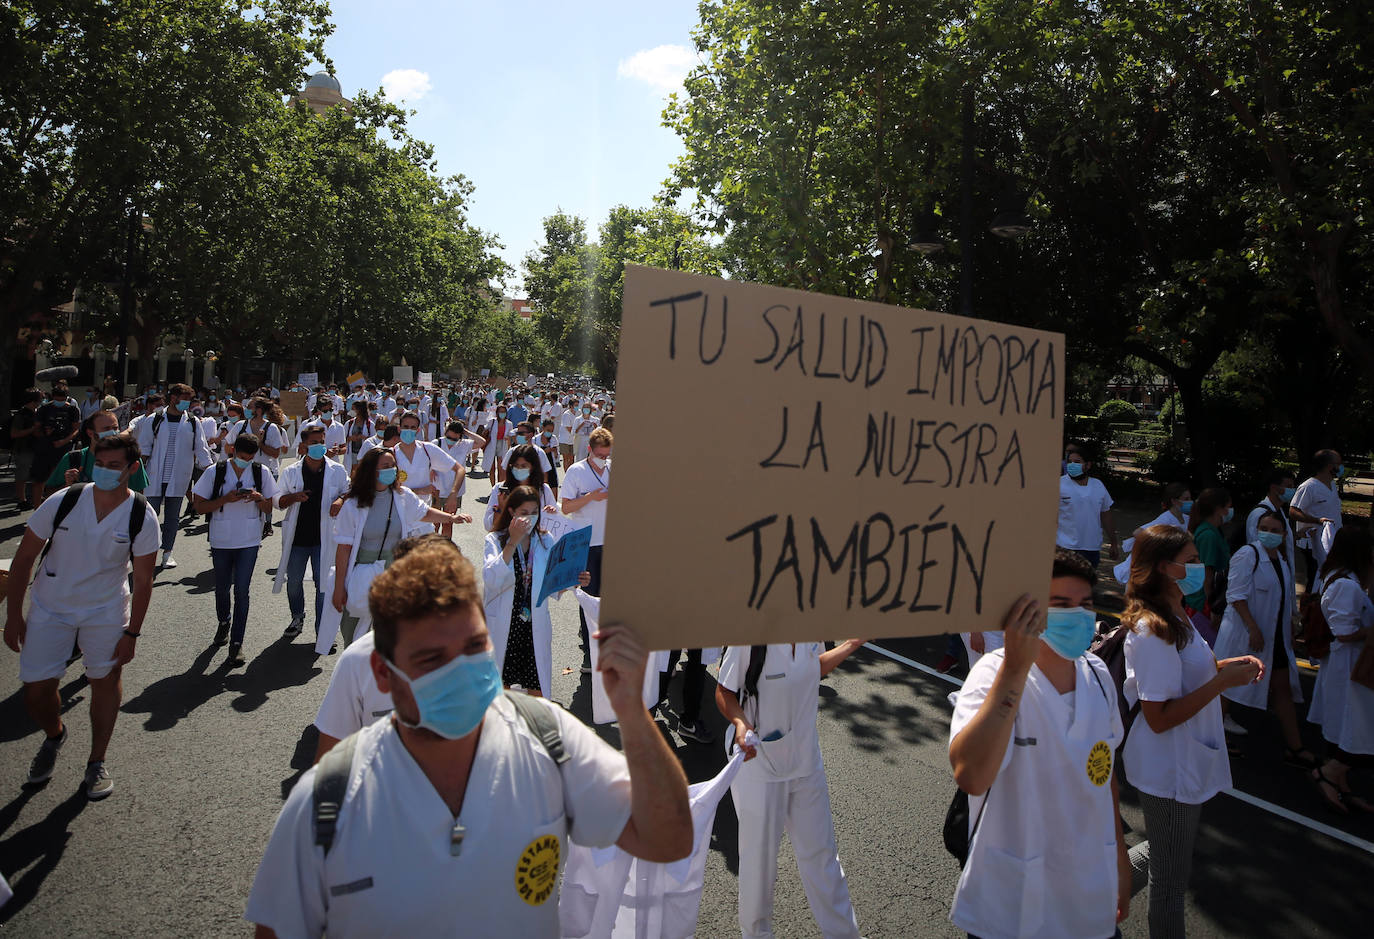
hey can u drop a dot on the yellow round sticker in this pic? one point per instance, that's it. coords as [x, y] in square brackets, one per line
[1100, 763]
[536, 874]
[402, 476]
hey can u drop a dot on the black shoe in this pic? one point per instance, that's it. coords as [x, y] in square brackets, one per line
[695, 730]
[235, 657]
[23, 506]
[222, 634]
[294, 629]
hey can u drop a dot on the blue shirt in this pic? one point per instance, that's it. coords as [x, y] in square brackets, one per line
[517, 413]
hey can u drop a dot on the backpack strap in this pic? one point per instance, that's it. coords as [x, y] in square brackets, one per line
[64, 508]
[331, 785]
[541, 723]
[138, 514]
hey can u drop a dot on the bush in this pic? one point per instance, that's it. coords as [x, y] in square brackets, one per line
[1118, 412]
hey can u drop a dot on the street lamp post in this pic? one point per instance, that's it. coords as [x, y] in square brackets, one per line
[126, 298]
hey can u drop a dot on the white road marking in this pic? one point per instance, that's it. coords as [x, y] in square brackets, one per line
[1270, 807]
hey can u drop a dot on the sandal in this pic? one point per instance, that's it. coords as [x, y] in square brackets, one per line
[1336, 804]
[1301, 758]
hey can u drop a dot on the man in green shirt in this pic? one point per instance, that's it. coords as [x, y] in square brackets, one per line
[75, 465]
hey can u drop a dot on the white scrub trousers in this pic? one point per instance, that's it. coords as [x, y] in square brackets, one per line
[802, 808]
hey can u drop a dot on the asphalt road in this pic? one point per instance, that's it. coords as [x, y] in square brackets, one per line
[202, 757]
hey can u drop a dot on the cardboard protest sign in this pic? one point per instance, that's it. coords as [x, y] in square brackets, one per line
[874, 471]
[500, 384]
[425, 380]
[308, 380]
[293, 403]
[567, 560]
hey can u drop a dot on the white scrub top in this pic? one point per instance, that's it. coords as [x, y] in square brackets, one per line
[84, 580]
[1319, 500]
[1080, 513]
[583, 478]
[235, 524]
[1043, 861]
[786, 705]
[1187, 763]
[353, 700]
[390, 870]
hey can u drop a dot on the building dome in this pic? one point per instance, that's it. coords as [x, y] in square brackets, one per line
[326, 81]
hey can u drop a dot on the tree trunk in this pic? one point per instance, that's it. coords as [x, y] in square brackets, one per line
[1189, 384]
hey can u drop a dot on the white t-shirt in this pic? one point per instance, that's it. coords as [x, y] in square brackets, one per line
[565, 425]
[414, 473]
[1318, 500]
[352, 700]
[581, 479]
[784, 708]
[391, 870]
[235, 524]
[1187, 763]
[84, 578]
[1056, 877]
[271, 436]
[1080, 514]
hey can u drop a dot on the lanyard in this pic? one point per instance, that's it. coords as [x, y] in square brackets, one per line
[597, 475]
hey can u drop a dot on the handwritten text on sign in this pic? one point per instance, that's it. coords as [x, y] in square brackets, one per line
[849, 468]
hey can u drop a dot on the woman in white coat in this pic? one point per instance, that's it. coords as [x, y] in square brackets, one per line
[500, 435]
[1344, 709]
[513, 568]
[356, 431]
[524, 469]
[293, 482]
[773, 690]
[1175, 752]
[376, 513]
[1259, 621]
[422, 466]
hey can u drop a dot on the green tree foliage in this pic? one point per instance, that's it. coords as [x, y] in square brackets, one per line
[1199, 176]
[577, 287]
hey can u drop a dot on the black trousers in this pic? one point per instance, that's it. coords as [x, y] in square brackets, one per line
[593, 588]
[693, 683]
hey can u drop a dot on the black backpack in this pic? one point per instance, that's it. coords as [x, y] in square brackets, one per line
[1110, 647]
[336, 766]
[159, 417]
[222, 472]
[137, 516]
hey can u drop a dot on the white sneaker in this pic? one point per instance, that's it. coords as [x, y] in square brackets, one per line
[168, 560]
[1231, 727]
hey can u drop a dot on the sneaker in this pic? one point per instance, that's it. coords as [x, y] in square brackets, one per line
[98, 782]
[40, 770]
[1231, 727]
[235, 657]
[294, 630]
[167, 560]
[222, 633]
[946, 664]
[695, 730]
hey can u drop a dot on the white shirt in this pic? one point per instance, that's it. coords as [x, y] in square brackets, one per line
[1056, 877]
[786, 704]
[335, 434]
[1080, 513]
[565, 425]
[584, 424]
[271, 436]
[352, 700]
[1187, 763]
[236, 524]
[1318, 500]
[544, 463]
[84, 578]
[390, 870]
[414, 473]
[581, 479]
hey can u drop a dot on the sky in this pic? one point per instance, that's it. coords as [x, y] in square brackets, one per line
[541, 104]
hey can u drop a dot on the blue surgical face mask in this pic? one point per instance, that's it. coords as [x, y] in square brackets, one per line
[1271, 539]
[1340, 471]
[1230, 514]
[1187, 506]
[242, 464]
[1074, 470]
[1193, 581]
[386, 476]
[106, 478]
[521, 439]
[520, 473]
[408, 435]
[316, 451]
[454, 697]
[183, 406]
[1289, 493]
[101, 435]
[1069, 631]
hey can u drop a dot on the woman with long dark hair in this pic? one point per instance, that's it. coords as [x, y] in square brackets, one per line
[377, 512]
[1175, 753]
[514, 562]
[523, 469]
[773, 690]
[358, 429]
[1342, 708]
